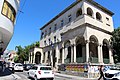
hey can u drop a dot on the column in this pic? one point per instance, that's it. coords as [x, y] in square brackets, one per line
[63, 53]
[45, 57]
[34, 57]
[29, 58]
[51, 58]
[41, 58]
[57, 56]
[74, 53]
[100, 56]
[101, 53]
[111, 56]
[87, 51]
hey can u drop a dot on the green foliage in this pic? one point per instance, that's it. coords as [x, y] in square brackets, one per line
[115, 41]
[23, 53]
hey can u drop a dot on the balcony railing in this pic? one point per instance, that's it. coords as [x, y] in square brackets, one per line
[106, 61]
[67, 60]
[79, 60]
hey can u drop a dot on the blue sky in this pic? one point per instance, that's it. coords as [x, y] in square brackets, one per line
[36, 13]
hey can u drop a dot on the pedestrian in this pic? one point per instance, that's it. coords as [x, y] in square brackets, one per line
[101, 73]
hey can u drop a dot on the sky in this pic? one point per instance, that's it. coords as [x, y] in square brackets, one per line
[36, 13]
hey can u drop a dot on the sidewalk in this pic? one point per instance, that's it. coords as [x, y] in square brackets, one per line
[73, 77]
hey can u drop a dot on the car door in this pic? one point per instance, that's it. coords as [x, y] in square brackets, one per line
[32, 71]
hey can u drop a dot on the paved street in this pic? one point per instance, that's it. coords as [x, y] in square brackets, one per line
[7, 75]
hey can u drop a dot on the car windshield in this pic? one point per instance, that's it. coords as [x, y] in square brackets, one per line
[45, 68]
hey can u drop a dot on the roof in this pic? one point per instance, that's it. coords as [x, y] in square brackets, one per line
[75, 3]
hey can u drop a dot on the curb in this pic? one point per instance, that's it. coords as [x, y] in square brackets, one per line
[73, 77]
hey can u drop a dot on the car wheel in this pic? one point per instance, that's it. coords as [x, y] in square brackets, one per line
[35, 78]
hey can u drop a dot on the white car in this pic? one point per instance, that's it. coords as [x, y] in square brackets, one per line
[18, 67]
[112, 74]
[41, 72]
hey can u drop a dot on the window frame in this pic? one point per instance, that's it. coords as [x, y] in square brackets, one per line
[79, 12]
[10, 9]
[90, 12]
[98, 16]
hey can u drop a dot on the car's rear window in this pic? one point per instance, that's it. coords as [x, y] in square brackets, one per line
[45, 68]
[19, 65]
[34, 68]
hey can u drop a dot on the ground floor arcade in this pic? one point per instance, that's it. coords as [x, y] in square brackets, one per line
[81, 45]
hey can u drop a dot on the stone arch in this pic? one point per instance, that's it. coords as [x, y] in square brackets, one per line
[105, 50]
[93, 49]
[80, 49]
[89, 11]
[79, 12]
[38, 57]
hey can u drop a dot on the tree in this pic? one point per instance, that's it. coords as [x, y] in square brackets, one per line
[115, 42]
[23, 53]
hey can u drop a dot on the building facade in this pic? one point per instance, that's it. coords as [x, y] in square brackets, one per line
[79, 34]
[8, 11]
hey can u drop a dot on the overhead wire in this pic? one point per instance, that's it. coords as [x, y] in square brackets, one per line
[20, 10]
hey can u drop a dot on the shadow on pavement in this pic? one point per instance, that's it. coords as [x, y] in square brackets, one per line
[6, 72]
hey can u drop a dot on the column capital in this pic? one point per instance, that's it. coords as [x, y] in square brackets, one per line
[86, 41]
[99, 44]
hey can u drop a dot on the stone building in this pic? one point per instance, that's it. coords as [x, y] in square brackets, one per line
[79, 34]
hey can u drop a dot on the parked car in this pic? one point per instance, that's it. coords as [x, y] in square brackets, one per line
[27, 66]
[113, 74]
[18, 67]
[41, 72]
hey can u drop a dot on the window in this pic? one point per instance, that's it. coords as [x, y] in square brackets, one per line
[42, 35]
[45, 43]
[45, 68]
[62, 23]
[54, 39]
[55, 27]
[69, 18]
[107, 18]
[79, 12]
[49, 30]
[49, 42]
[8, 11]
[45, 32]
[98, 16]
[107, 21]
[90, 12]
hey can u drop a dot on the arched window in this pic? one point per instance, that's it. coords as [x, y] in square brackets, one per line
[89, 11]
[79, 12]
[98, 16]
